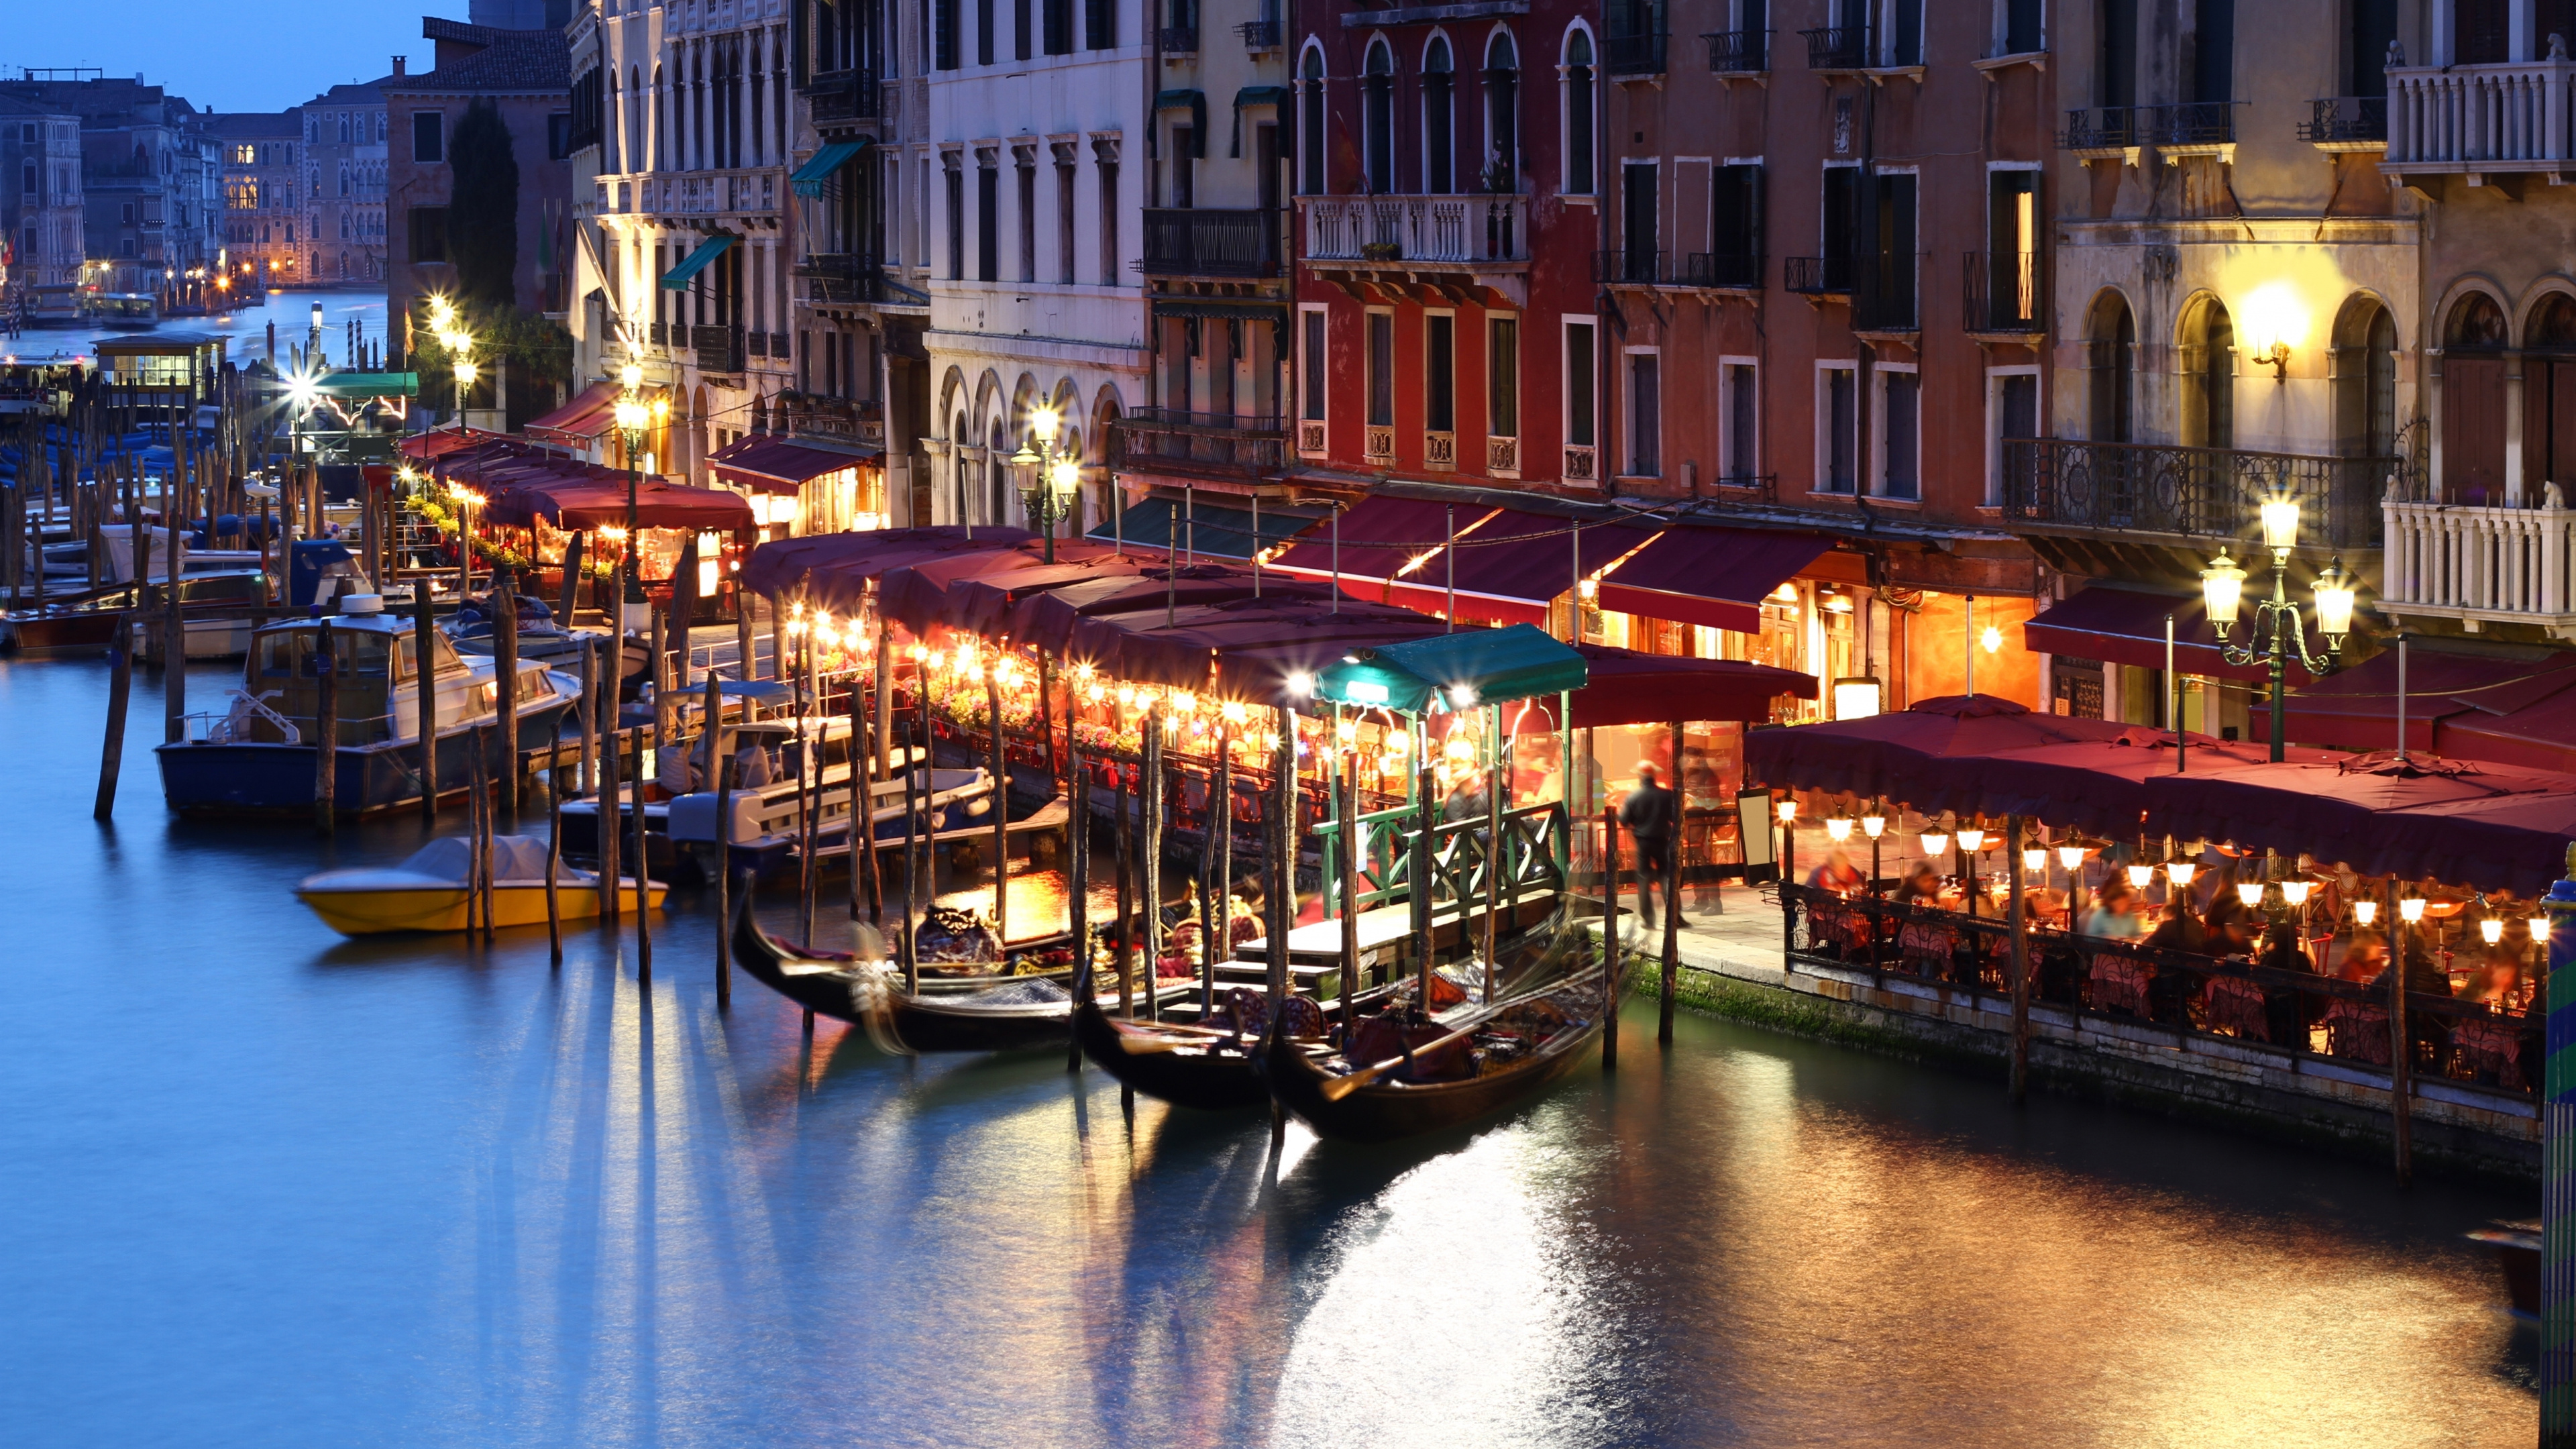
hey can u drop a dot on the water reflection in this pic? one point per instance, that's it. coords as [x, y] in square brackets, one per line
[411, 1191]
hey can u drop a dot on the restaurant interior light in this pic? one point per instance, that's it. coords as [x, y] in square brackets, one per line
[2296, 891]
[1935, 841]
[1839, 828]
[2492, 928]
[2180, 872]
[2250, 892]
[1991, 639]
[1857, 697]
[1788, 811]
[2411, 909]
[1873, 825]
[2538, 925]
[2365, 912]
[1971, 838]
[2139, 875]
[2222, 591]
[2070, 857]
[2034, 857]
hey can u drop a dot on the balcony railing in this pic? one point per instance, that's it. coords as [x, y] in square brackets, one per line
[2478, 563]
[719, 348]
[1739, 52]
[2481, 117]
[1634, 54]
[1473, 229]
[1817, 276]
[844, 95]
[2357, 122]
[1189, 242]
[1211, 443]
[1180, 40]
[2002, 291]
[1838, 47]
[2197, 493]
[1740, 270]
[843, 279]
[716, 193]
[1637, 267]
[1259, 34]
[1883, 294]
[2113, 128]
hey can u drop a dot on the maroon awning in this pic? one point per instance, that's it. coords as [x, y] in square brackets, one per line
[1714, 577]
[2127, 626]
[1909, 756]
[1511, 564]
[439, 442]
[2510, 841]
[1047, 620]
[834, 569]
[2538, 736]
[574, 503]
[2356, 708]
[916, 595]
[1624, 687]
[989, 606]
[770, 464]
[578, 423]
[1387, 548]
[1193, 649]
[2097, 786]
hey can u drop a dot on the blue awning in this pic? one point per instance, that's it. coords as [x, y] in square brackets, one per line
[1211, 527]
[809, 178]
[679, 277]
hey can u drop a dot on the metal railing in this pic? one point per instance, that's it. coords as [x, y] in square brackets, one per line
[1635, 266]
[2345, 120]
[1816, 275]
[1838, 47]
[1179, 39]
[1259, 34]
[1641, 54]
[1200, 442]
[1425, 228]
[1739, 270]
[2002, 291]
[2113, 128]
[2296, 1012]
[719, 348]
[1883, 294]
[845, 278]
[1739, 52]
[1194, 242]
[844, 95]
[2201, 493]
[2473, 116]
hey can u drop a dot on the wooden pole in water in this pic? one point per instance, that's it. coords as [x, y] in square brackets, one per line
[474, 800]
[1151, 847]
[554, 844]
[862, 756]
[1354, 841]
[505, 675]
[1610, 939]
[1001, 804]
[424, 673]
[1123, 847]
[1077, 839]
[913, 774]
[120, 686]
[643, 881]
[1417, 880]
[174, 629]
[880, 756]
[1283, 892]
[610, 798]
[1497, 852]
[568, 598]
[589, 782]
[1216, 907]
[2401, 1065]
[1672, 900]
[724, 865]
[326, 727]
[2020, 1083]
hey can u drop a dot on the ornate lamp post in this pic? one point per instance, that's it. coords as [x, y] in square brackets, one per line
[2222, 590]
[1049, 500]
[633, 416]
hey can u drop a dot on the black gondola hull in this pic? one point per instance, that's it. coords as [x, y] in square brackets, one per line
[1207, 1081]
[1385, 1111]
[837, 987]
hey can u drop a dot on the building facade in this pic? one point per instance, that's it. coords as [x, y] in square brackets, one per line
[267, 220]
[141, 189]
[346, 143]
[40, 196]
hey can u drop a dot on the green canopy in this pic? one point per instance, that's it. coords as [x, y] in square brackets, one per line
[1454, 671]
[368, 384]
[679, 277]
[1194, 102]
[809, 178]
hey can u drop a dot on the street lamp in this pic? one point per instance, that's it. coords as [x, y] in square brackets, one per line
[1049, 499]
[633, 416]
[2222, 592]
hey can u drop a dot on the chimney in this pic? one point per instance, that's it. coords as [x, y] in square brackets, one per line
[399, 62]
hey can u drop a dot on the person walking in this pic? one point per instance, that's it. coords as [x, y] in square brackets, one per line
[1650, 813]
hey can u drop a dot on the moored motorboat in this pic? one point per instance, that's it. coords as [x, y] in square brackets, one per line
[85, 623]
[428, 891]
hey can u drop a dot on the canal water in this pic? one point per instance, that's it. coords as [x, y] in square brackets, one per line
[263, 1185]
[246, 327]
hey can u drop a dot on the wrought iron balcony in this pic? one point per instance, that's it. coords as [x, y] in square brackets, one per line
[2193, 126]
[1639, 54]
[1191, 242]
[844, 95]
[2207, 495]
[1739, 52]
[842, 278]
[719, 348]
[1259, 34]
[1633, 266]
[2346, 123]
[1180, 40]
[2002, 291]
[1817, 276]
[1738, 270]
[1217, 445]
[1883, 295]
[1838, 47]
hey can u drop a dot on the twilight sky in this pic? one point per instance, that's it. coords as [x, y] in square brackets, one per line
[273, 54]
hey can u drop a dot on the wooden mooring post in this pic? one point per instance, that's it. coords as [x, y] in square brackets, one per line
[120, 688]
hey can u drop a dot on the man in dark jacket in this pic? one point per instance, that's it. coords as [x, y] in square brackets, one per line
[1650, 814]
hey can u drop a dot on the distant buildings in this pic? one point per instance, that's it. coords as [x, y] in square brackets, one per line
[346, 146]
[40, 194]
[144, 186]
[265, 226]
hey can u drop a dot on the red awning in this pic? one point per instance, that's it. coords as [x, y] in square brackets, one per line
[443, 441]
[1909, 756]
[776, 465]
[573, 502]
[1715, 577]
[1387, 548]
[1623, 687]
[1047, 619]
[2538, 736]
[1273, 639]
[832, 570]
[2126, 626]
[579, 423]
[917, 595]
[2356, 708]
[1514, 563]
[2097, 786]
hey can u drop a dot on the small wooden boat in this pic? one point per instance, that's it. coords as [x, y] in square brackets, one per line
[1206, 1066]
[84, 623]
[2517, 1246]
[1416, 1073]
[428, 891]
[955, 1014]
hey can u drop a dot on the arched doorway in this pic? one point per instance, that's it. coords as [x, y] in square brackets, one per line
[2112, 338]
[2365, 370]
[2549, 396]
[997, 475]
[2208, 374]
[2473, 339]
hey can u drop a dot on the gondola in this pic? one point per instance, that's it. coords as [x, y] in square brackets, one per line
[970, 1014]
[1533, 1041]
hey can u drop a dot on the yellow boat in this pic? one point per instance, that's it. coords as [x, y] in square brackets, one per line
[427, 892]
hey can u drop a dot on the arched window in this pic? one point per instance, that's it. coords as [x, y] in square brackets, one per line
[2208, 375]
[661, 120]
[1502, 167]
[2112, 338]
[2365, 376]
[1579, 180]
[1377, 120]
[1310, 123]
[2548, 394]
[1439, 149]
[2473, 338]
[611, 145]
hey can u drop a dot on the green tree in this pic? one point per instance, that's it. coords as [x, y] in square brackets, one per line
[483, 211]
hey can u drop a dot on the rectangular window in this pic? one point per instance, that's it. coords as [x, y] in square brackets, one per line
[1840, 238]
[558, 140]
[2012, 260]
[2013, 400]
[984, 32]
[1028, 221]
[988, 223]
[1064, 222]
[1440, 372]
[1905, 33]
[956, 224]
[943, 34]
[1735, 226]
[1311, 404]
[1580, 429]
[1645, 415]
[1900, 432]
[429, 234]
[1100, 24]
[2022, 34]
[2115, 82]
[1503, 377]
[1381, 369]
[1837, 428]
[2213, 51]
[1887, 300]
[1638, 182]
[1020, 34]
[1109, 223]
[428, 137]
[1743, 423]
[1184, 179]
[1059, 27]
